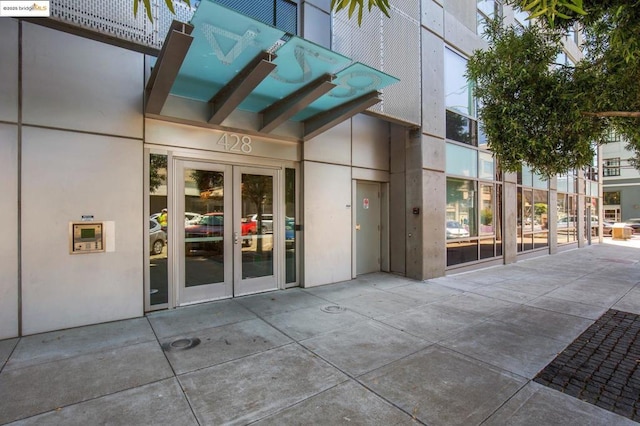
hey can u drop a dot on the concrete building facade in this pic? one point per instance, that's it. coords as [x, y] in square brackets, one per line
[399, 179]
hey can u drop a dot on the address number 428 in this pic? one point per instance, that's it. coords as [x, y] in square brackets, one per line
[235, 143]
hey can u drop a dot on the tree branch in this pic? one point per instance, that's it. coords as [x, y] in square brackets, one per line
[629, 114]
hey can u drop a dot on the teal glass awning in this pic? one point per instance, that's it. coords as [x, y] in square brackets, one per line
[233, 62]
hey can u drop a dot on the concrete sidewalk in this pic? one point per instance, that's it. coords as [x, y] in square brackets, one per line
[378, 350]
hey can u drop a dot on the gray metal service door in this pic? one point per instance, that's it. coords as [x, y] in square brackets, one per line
[367, 227]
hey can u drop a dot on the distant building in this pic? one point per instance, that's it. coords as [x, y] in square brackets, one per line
[620, 182]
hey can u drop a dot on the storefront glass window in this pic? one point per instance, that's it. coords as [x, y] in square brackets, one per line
[461, 209]
[157, 257]
[458, 90]
[289, 225]
[461, 161]
[533, 211]
[487, 166]
[486, 210]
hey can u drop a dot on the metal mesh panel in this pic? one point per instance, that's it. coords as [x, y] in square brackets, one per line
[402, 58]
[287, 16]
[392, 46]
[112, 17]
[261, 10]
[115, 18]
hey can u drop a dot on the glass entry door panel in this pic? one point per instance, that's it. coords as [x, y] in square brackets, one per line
[206, 221]
[228, 231]
[257, 227]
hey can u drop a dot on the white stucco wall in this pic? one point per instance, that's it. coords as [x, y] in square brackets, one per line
[82, 154]
[9, 240]
[327, 223]
[9, 70]
[67, 175]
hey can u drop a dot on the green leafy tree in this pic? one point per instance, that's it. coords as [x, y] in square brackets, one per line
[548, 115]
[147, 7]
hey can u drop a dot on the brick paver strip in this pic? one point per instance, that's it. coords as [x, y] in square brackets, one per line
[602, 366]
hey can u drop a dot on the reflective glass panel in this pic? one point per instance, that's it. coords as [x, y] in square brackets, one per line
[498, 220]
[486, 248]
[224, 42]
[204, 232]
[540, 210]
[562, 183]
[562, 214]
[461, 252]
[460, 128]
[257, 225]
[482, 137]
[573, 213]
[158, 278]
[527, 210]
[352, 82]
[289, 224]
[299, 62]
[519, 215]
[540, 240]
[527, 176]
[540, 181]
[486, 210]
[461, 209]
[487, 166]
[458, 93]
[461, 161]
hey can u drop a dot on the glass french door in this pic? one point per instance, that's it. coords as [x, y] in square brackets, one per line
[230, 243]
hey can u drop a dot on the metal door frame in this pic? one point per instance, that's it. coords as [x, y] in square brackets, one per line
[384, 225]
[233, 256]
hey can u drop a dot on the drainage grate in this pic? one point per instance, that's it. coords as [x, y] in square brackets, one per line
[333, 309]
[602, 366]
[181, 344]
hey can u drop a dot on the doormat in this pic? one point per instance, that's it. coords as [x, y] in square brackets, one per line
[602, 366]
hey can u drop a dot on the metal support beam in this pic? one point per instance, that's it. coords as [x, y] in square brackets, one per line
[324, 121]
[231, 95]
[175, 48]
[286, 108]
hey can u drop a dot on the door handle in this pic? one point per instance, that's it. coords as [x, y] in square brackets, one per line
[235, 238]
[357, 226]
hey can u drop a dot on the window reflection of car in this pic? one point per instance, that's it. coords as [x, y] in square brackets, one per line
[289, 232]
[456, 230]
[206, 234]
[207, 225]
[634, 223]
[267, 222]
[189, 218]
[157, 237]
[248, 230]
[571, 222]
[607, 228]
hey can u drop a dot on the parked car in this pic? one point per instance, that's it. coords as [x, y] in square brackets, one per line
[456, 230]
[207, 225]
[248, 230]
[607, 228]
[289, 232]
[206, 234]
[189, 218]
[157, 237]
[267, 222]
[571, 222]
[634, 223]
